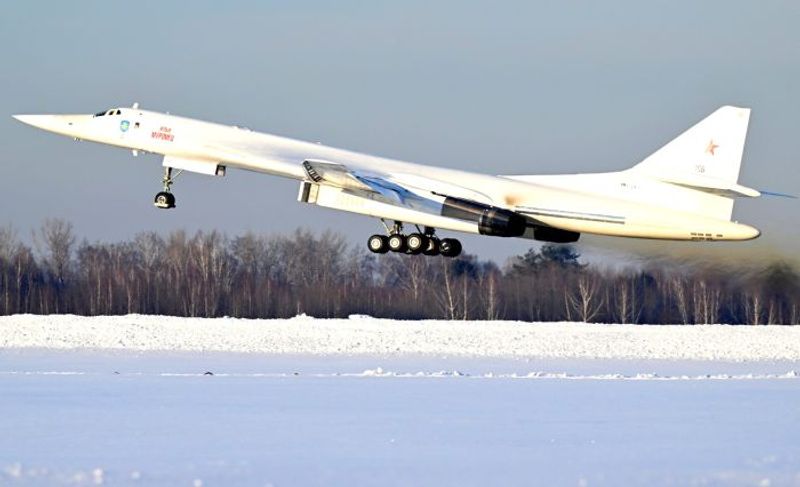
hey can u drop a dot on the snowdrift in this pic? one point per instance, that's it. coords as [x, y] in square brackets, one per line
[362, 335]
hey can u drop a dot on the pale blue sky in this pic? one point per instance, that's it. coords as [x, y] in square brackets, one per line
[499, 87]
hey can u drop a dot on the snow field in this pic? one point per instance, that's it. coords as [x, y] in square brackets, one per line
[122, 418]
[152, 400]
[362, 335]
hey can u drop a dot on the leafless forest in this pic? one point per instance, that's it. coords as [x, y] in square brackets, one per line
[209, 274]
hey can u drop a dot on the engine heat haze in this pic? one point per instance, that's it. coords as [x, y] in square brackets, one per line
[683, 191]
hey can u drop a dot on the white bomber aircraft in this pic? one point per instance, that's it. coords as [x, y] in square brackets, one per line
[684, 191]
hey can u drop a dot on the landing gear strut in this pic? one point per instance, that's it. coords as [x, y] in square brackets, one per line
[420, 242]
[165, 199]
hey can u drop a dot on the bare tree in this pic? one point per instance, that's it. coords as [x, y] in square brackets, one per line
[677, 284]
[706, 301]
[8, 242]
[754, 307]
[773, 312]
[56, 239]
[446, 296]
[9, 245]
[491, 297]
[465, 297]
[585, 299]
[622, 298]
[249, 251]
[417, 273]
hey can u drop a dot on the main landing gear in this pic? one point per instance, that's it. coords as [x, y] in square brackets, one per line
[165, 199]
[419, 242]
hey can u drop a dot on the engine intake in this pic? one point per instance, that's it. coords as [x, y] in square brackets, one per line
[491, 220]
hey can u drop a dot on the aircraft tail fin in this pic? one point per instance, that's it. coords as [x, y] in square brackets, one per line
[711, 151]
[707, 157]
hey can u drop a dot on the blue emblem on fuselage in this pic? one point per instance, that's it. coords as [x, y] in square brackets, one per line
[124, 125]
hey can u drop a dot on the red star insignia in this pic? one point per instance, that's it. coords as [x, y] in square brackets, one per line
[711, 147]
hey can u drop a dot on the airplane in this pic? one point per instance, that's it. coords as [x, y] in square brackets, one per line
[683, 191]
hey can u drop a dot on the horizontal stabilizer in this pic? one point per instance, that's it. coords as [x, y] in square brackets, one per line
[780, 195]
[721, 189]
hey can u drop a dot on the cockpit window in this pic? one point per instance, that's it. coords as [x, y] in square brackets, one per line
[113, 111]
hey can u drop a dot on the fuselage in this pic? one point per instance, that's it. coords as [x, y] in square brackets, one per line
[624, 203]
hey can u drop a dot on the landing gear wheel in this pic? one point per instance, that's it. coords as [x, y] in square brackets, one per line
[450, 247]
[433, 246]
[397, 243]
[378, 244]
[416, 243]
[164, 200]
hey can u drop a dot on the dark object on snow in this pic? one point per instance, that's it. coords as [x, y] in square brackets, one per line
[208, 372]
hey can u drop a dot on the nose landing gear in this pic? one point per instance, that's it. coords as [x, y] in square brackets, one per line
[425, 243]
[165, 199]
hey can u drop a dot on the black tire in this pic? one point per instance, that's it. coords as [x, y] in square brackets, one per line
[164, 200]
[378, 244]
[450, 247]
[457, 248]
[416, 243]
[433, 246]
[397, 243]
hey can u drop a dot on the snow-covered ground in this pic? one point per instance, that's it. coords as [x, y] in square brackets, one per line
[164, 401]
[369, 336]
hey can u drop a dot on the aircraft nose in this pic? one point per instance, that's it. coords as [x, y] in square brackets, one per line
[46, 122]
[60, 124]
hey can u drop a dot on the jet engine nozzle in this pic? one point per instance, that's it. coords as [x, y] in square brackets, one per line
[491, 220]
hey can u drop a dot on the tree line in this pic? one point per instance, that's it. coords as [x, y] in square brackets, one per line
[208, 274]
